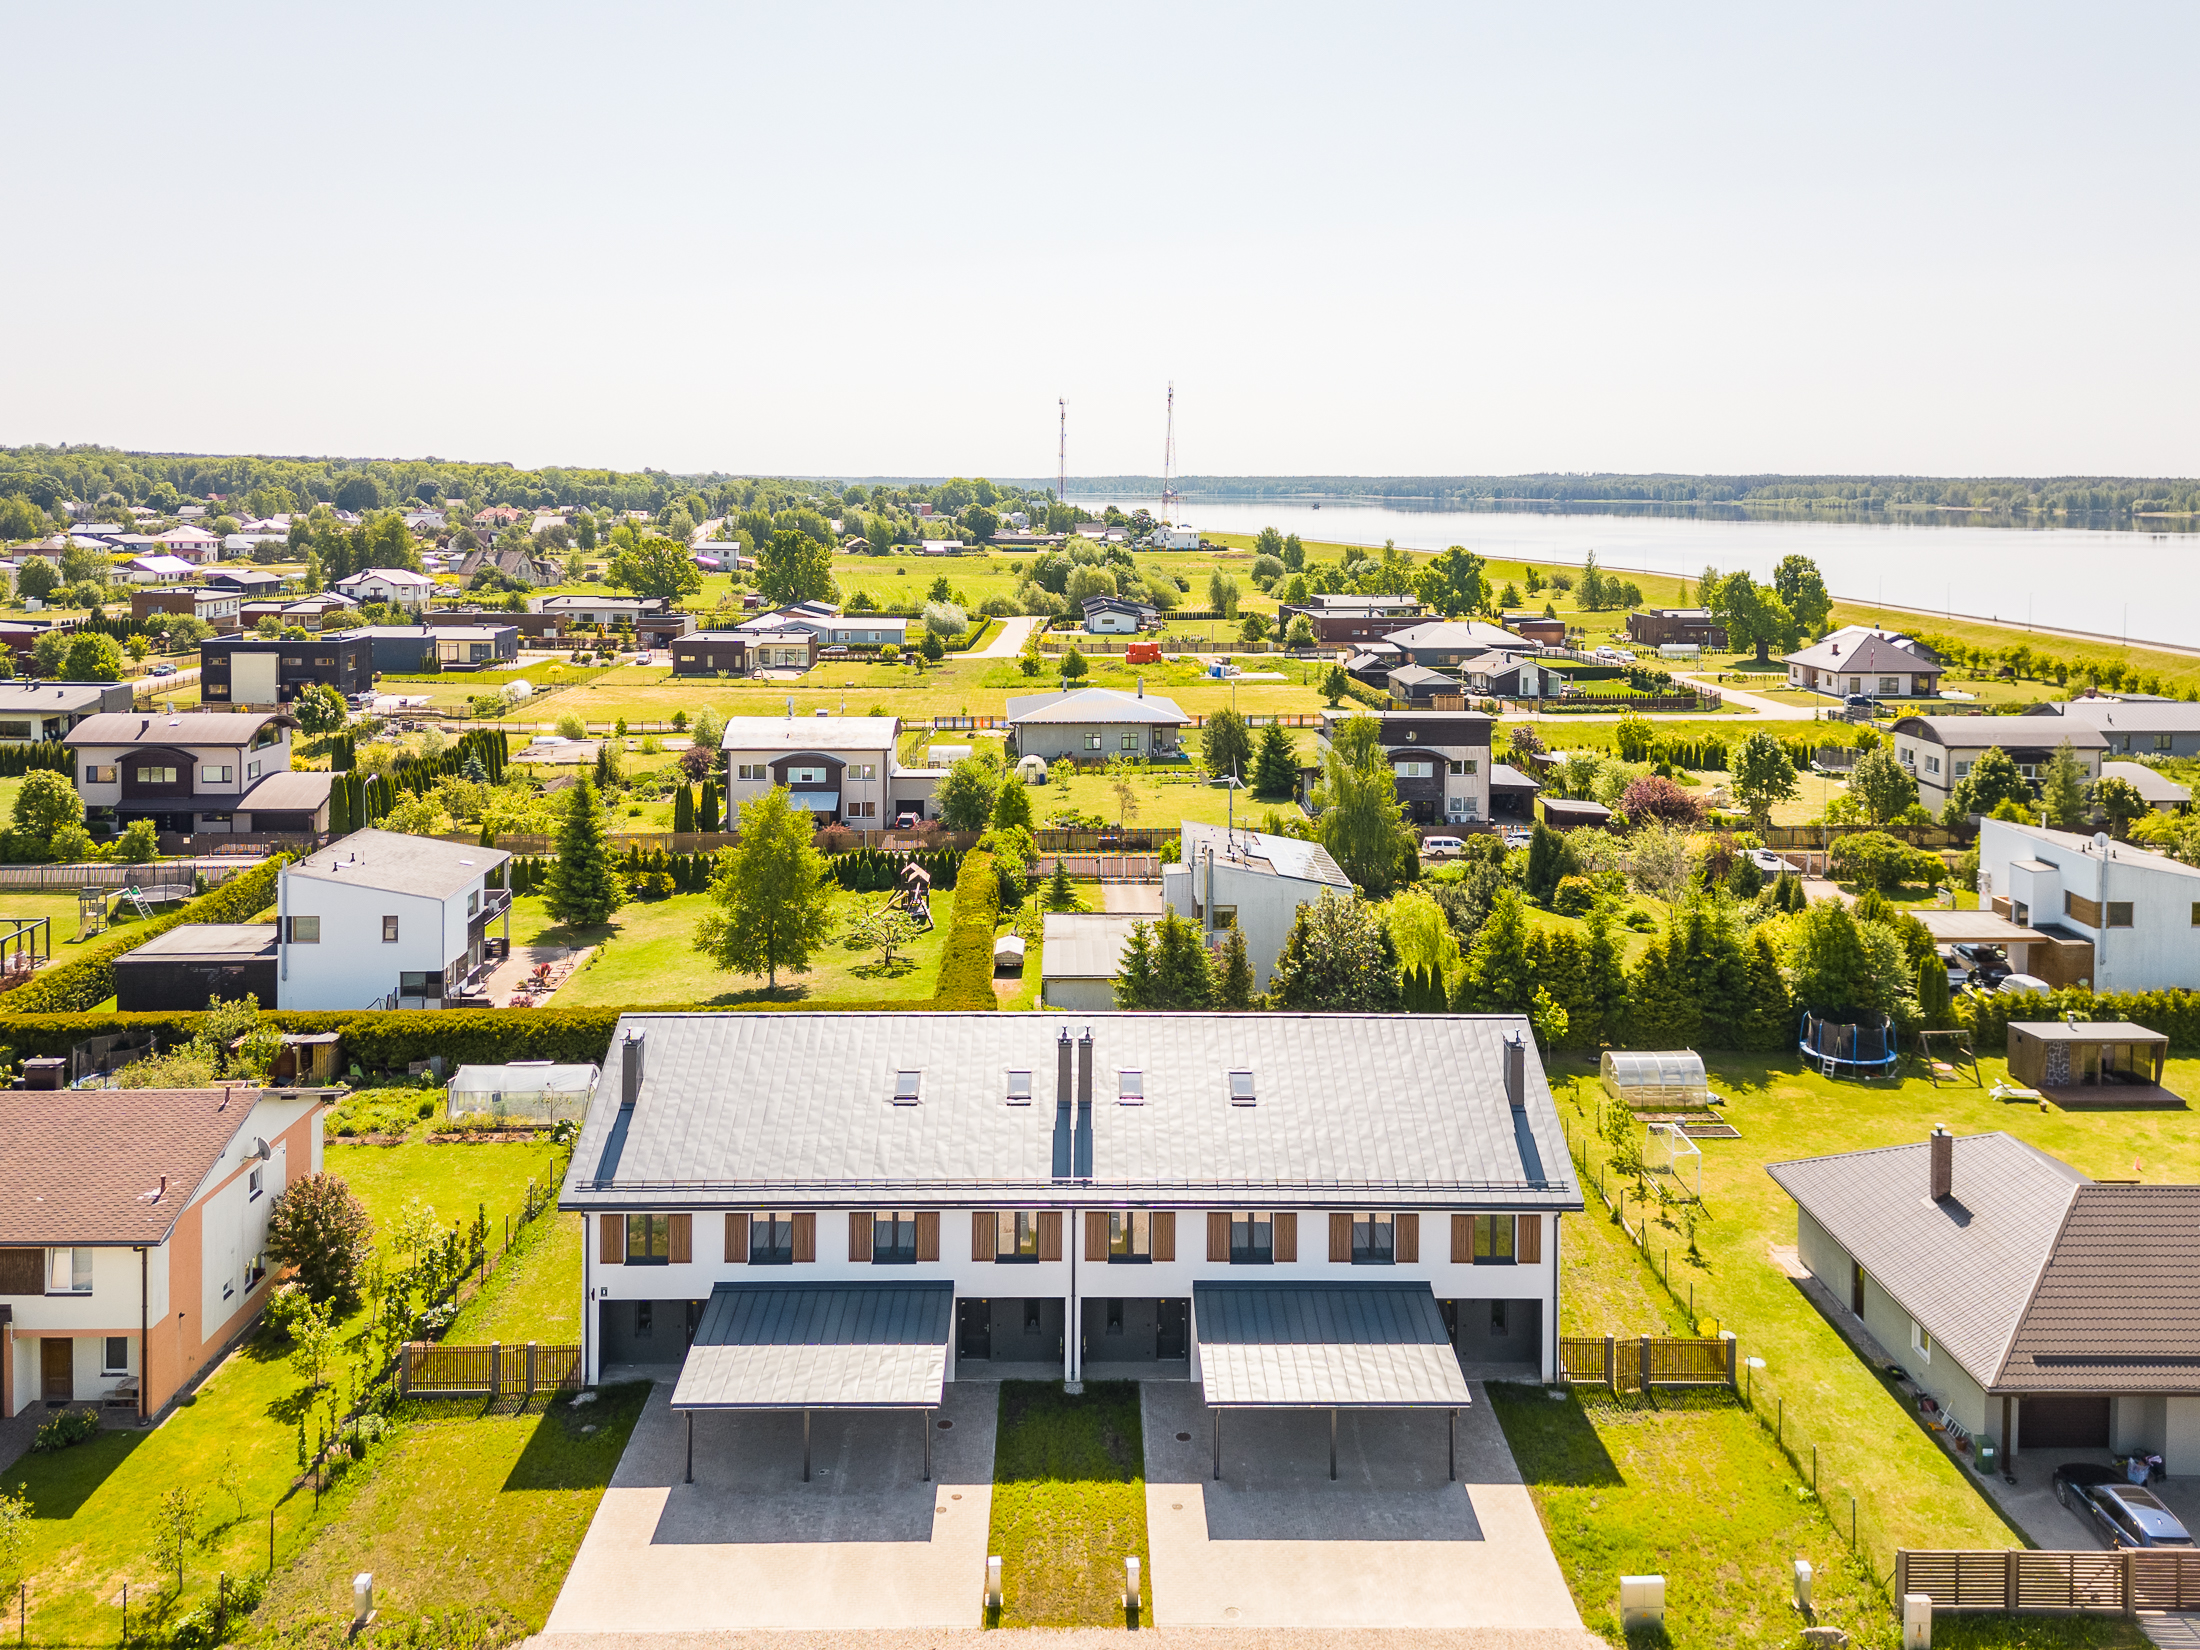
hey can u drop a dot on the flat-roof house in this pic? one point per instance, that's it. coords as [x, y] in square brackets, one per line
[1865, 661]
[393, 586]
[1095, 724]
[711, 653]
[1250, 881]
[1349, 620]
[1535, 627]
[2136, 727]
[1667, 626]
[33, 714]
[187, 966]
[1440, 760]
[188, 773]
[841, 768]
[2119, 916]
[1082, 958]
[246, 581]
[210, 604]
[134, 1234]
[1122, 1190]
[382, 920]
[2034, 1305]
[1939, 751]
[267, 670]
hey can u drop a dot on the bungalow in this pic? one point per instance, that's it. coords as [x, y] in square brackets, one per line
[133, 1241]
[1116, 616]
[1082, 956]
[711, 653]
[1347, 620]
[1857, 660]
[2163, 794]
[1094, 724]
[1250, 881]
[1536, 628]
[1939, 751]
[158, 570]
[392, 586]
[865, 631]
[2136, 727]
[1416, 686]
[246, 581]
[1446, 643]
[1675, 626]
[1125, 1192]
[2031, 1304]
[382, 920]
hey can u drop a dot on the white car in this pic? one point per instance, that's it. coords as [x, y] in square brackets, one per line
[1442, 847]
[2018, 983]
[1516, 836]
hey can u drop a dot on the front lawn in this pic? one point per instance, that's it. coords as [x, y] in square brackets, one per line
[1069, 1502]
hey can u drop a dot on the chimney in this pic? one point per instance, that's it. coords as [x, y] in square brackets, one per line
[630, 1071]
[1081, 1148]
[1516, 1072]
[1084, 1071]
[1944, 1162]
[1062, 1070]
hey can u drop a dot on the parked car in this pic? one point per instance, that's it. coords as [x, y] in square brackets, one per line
[1768, 862]
[2016, 984]
[1861, 701]
[2123, 1514]
[1441, 847]
[1985, 965]
[162, 670]
[906, 820]
[1516, 836]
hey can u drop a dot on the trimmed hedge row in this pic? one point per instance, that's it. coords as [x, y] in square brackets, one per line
[88, 979]
[966, 970]
[2175, 1014]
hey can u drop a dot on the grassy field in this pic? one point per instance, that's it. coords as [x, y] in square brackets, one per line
[1069, 1502]
[535, 1292]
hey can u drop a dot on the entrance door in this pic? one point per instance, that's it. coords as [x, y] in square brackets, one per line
[57, 1366]
[973, 1328]
[1856, 1289]
[1172, 1329]
[1450, 1311]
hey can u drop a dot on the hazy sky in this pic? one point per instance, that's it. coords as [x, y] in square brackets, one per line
[1361, 239]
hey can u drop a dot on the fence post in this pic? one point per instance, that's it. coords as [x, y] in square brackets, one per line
[2009, 1579]
[1642, 1370]
[1901, 1571]
[1733, 1364]
[1611, 1364]
[404, 1370]
[532, 1350]
[496, 1369]
[2131, 1583]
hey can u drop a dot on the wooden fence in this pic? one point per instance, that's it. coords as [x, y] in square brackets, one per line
[2017, 1581]
[1644, 1362]
[425, 1368]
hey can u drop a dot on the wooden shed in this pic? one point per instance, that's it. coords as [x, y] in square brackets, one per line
[2054, 1054]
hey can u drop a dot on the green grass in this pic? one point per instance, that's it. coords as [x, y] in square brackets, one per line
[453, 1180]
[1069, 1502]
[533, 1294]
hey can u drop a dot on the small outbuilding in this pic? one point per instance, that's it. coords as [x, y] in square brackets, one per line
[1566, 814]
[186, 966]
[526, 1091]
[1671, 1080]
[2055, 1054]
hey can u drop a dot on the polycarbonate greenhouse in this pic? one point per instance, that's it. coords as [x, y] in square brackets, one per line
[531, 1091]
[1668, 1081]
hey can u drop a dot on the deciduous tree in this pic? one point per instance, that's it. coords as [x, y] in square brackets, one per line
[1883, 787]
[664, 569]
[794, 567]
[319, 1227]
[772, 892]
[1761, 774]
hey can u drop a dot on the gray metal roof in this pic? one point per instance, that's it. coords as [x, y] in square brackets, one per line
[422, 865]
[1283, 856]
[1963, 1269]
[1095, 706]
[300, 789]
[219, 941]
[1086, 945]
[2158, 788]
[2006, 732]
[1395, 1110]
[191, 727]
[819, 1346]
[2118, 1307]
[1459, 633]
[810, 733]
[2129, 716]
[1301, 1345]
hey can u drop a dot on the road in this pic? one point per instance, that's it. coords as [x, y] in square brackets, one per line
[1771, 708]
[1010, 641]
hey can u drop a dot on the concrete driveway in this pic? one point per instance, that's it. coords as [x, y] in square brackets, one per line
[748, 1545]
[1010, 642]
[1392, 1543]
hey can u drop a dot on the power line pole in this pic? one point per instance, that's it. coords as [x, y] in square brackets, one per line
[1168, 462]
[1061, 483]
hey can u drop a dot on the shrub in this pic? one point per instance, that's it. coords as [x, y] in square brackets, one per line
[71, 1426]
[318, 1226]
[1574, 896]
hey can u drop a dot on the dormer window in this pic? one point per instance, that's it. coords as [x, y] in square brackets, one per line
[1242, 1092]
[1019, 1088]
[1130, 1087]
[908, 1088]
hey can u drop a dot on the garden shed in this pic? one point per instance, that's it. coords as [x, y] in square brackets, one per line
[533, 1091]
[2053, 1054]
[1669, 1081]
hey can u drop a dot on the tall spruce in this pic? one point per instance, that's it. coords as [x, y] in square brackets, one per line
[583, 890]
[1338, 959]
[1234, 973]
[1768, 1024]
[1661, 1009]
[683, 808]
[1500, 976]
[1165, 966]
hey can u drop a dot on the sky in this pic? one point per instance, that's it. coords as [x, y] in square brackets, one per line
[1368, 239]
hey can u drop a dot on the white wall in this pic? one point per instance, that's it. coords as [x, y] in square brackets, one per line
[2160, 951]
[352, 966]
[877, 790]
[1267, 905]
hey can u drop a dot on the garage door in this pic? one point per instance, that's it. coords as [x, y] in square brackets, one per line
[2062, 1423]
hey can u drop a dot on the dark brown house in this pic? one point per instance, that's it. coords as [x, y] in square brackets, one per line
[711, 653]
[1658, 626]
[260, 670]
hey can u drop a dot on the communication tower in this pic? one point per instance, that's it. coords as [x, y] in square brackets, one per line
[1168, 462]
[1061, 483]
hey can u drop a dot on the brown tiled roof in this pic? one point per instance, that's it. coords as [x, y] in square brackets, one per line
[77, 1163]
[2117, 1306]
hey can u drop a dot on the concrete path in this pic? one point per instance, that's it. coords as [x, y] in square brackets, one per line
[1757, 702]
[1010, 641]
[748, 1545]
[1099, 1638]
[1132, 898]
[2172, 1630]
[1392, 1543]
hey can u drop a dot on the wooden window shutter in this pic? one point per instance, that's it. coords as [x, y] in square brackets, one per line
[610, 1244]
[805, 1237]
[1528, 1240]
[928, 1234]
[1096, 1234]
[1340, 1239]
[1163, 1235]
[1050, 1234]
[1286, 1236]
[859, 1236]
[981, 1234]
[1218, 1234]
[1462, 1240]
[683, 1240]
[737, 1240]
[1409, 1238]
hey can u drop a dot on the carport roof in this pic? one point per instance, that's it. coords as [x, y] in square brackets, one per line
[1325, 1345]
[819, 1346]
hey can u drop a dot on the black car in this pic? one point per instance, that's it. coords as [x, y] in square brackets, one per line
[1988, 965]
[2123, 1513]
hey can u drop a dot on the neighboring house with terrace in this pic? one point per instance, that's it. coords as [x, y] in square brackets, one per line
[196, 772]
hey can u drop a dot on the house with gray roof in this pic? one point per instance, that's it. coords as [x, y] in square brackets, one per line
[2031, 1303]
[2136, 726]
[1227, 878]
[1444, 644]
[1094, 724]
[1940, 751]
[1357, 1205]
[2162, 793]
[1850, 661]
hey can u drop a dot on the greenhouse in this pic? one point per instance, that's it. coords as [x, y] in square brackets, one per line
[1671, 1081]
[527, 1091]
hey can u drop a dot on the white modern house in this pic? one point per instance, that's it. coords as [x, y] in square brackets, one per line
[1940, 751]
[2119, 916]
[1249, 881]
[1204, 1197]
[841, 768]
[392, 586]
[32, 713]
[133, 1235]
[1862, 660]
[382, 920]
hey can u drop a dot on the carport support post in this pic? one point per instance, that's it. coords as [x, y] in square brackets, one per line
[1218, 1445]
[691, 1449]
[924, 1420]
[1332, 1446]
[1452, 1467]
[805, 1446]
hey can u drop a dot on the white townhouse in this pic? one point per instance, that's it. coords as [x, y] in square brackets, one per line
[1307, 1211]
[2115, 914]
[382, 920]
[393, 586]
[134, 1232]
[841, 768]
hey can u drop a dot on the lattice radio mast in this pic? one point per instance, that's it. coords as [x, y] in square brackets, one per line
[1061, 484]
[1168, 463]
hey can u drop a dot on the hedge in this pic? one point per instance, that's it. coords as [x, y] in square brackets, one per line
[874, 870]
[88, 978]
[966, 970]
[51, 754]
[2175, 1014]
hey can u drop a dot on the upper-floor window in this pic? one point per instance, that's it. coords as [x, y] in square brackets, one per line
[1932, 764]
[805, 776]
[1493, 1240]
[771, 1240]
[1412, 769]
[1374, 1240]
[214, 774]
[648, 1240]
[2119, 913]
[751, 770]
[473, 903]
[98, 775]
[863, 770]
[156, 776]
[255, 1184]
[1130, 1235]
[1016, 1237]
[304, 930]
[1252, 1238]
[68, 1271]
[389, 930]
[894, 1237]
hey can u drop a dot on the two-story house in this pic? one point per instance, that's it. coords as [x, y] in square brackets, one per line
[265, 670]
[1151, 1194]
[1440, 760]
[133, 1234]
[382, 920]
[1250, 881]
[2112, 913]
[215, 605]
[34, 713]
[841, 768]
[1939, 751]
[191, 772]
[392, 586]
[864, 632]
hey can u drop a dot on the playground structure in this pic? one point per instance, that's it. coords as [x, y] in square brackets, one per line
[1946, 1055]
[27, 943]
[913, 894]
[1848, 1042]
[1674, 1162]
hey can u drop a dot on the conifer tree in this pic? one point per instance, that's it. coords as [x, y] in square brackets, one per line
[1604, 981]
[683, 808]
[1500, 977]
[1661, 1010]
[1769, 1024]
[1234, 977]
[707, 816]
[582, 889]
[1561, 963]
[1276, 765]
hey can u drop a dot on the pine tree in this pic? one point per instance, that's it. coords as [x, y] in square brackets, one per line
[1234, 978]
[583, 890]
[1500, 977]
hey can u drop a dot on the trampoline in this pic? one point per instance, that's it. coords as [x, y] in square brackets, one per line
[1847, 1042]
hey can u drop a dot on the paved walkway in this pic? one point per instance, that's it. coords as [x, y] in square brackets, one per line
[1010, 641]
[865, 1544]
[1757, 702]
[1392, 1543]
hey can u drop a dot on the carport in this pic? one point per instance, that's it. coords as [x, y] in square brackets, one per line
[1372, 1345]
[811, 1346]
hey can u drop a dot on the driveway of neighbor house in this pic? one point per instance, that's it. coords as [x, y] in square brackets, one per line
[1010, 641]
[1391, 1544]
[748, 1545]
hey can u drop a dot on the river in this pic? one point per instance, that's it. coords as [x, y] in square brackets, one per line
[2139, 584]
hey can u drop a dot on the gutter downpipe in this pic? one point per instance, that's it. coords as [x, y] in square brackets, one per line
[145, 1368]
[2100, 907]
